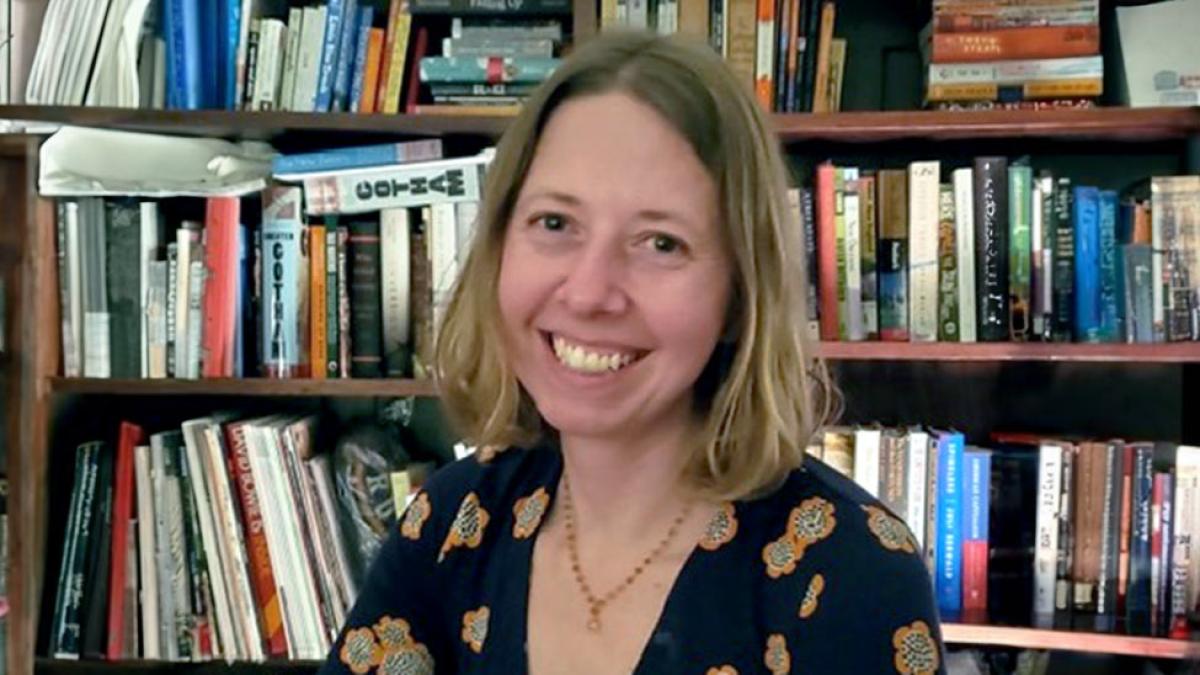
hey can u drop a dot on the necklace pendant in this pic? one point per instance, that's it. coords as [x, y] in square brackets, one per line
[593, 624]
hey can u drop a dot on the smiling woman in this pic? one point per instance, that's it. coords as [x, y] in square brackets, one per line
[625, 344]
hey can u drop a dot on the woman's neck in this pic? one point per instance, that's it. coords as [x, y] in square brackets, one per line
[619, 487]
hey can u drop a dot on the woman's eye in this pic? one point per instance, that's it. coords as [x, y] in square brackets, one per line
[552, 222]
[663, 243]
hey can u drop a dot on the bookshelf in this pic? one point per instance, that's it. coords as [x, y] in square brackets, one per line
[1154, 139]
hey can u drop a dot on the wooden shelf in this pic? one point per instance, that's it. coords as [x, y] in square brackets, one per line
[1095, 643]
[47, 666]
[243, 387]
[1108, 124]
[254, 125]
[1175, 352]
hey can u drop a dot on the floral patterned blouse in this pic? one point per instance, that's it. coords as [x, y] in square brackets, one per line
[817, 577]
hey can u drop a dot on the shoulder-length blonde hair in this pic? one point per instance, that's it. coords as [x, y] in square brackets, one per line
[762, 394]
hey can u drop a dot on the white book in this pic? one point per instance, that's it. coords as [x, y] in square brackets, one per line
[187, 238]
[442, 236]
[964, 241]
[923, 191]
[853, 252]
[193, 440]
[394, 235]
[1185, 556]
[93, 22]
[249, 12]
[94, 284]
[147, 249]
[1157, 283]
[73, 312]
[195, 315]
[399, 185]
[866, 459]
[268, 69]
[1045, 558]
[918, 460]
[156, 321]
[233, 550]
[322, 473]
[148, 566]
[308, 59]
[287, 84]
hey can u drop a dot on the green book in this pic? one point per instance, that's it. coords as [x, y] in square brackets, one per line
[947, 267]
[1020, 217]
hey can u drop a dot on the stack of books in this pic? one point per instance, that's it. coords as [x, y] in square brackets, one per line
[1027, 54]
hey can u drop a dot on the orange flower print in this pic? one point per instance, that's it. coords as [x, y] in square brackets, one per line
[812, 521]
[723, 670]
[781, 556]
[889, 530]
[916, 650]
[528, 512]
[415, 516]
[468, 526]
[393, 633]
[809, 605]
[359, 651]
[475, 628]
[721, 529]
[777, 658]
[412, 659]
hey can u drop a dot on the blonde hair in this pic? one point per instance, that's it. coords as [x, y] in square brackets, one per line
[762, 394]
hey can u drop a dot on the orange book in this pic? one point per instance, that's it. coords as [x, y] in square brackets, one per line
[220, 286]
[130, 436]
[395, 48]
[262, 579]
[318, 338]
[370, 90]
[1035, 42]
[764, 66]
[827, 281]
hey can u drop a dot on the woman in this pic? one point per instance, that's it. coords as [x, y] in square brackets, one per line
[628, 328]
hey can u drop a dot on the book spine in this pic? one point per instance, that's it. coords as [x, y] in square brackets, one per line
[1157, 486]
[395, 49]
[827, 247]
[343, 262]
[491, 69]
[964, 243]
[61, 636]
[129, 436]
[287, 85]
[923, 186]
[976, 487]
[812, 269]
[1064, 581]
[366, 330]
[358, 65]
[948, 328]
[991, 248]
[331, 41]
[1185, 580]
[401, 186]
[1162, 596]
[1063, 329]
[1086, 217]
[1020, 215]
[1137, 603]
[1009, 73]
[281, 232]
[1050, 468]
[395, 234]
[147, 547]
[868, 245]
[918, 461]
[1041, 235]
[344, 63]
[490, 8]
[372, 66]
[1110, 530]
[97, 340]
[319, 341]
[851, 306]
[333, 333]
[220, 285]
[1110, 314]
[948, 555]
[893, 257]
[359, 157]
[1036, 42]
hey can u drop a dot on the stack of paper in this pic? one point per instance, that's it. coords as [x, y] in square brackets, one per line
[1161, 53]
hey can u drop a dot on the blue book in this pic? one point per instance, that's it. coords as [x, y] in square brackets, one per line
[1137, 598]
[1086, 219]
[345, 57]
[329, 54]
[181, 28]
[282, 230]
[358, 65]
[230, 36]
[359, 157]
[1110, 269]
[947, 578]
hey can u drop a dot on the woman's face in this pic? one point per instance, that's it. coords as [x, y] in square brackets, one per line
[614, 282]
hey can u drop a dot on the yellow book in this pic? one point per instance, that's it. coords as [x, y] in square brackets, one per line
[395, 49]
[318, 339]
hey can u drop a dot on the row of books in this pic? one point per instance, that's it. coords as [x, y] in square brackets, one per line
[1012, 51]
[1081, 533]
[331, 56]
[784, 49]
[998, 251]
[346, 276]
[220, 539]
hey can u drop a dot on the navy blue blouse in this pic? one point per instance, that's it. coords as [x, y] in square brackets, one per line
[817, 577]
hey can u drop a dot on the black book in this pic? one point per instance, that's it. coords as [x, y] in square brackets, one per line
[366, 310]
[94, 607]
[124, 235]
[1063, 324]
[991, 248]
[1011, 532]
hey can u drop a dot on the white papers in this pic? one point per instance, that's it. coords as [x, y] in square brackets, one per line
[1161, 53]
[115, 79]
[79, 161]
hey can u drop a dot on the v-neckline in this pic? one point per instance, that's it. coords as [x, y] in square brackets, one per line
[551, 484]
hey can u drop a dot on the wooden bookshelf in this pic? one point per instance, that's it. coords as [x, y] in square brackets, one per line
[1178, 352]
[1108, 124]
[343, 388]
[46, 666]
[1096, 643]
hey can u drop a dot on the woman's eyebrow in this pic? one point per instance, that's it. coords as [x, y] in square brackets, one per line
[552, 195]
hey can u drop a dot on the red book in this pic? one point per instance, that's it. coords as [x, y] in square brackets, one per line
[976, 482]
[220, 286]
[1032, 42]
[827, 282]
[414, 70]
[262, 579]
[131, 435]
